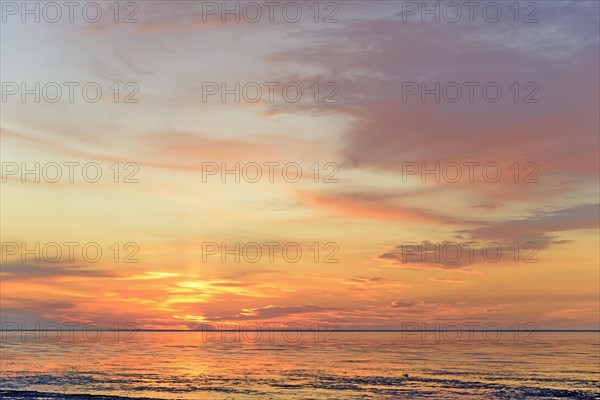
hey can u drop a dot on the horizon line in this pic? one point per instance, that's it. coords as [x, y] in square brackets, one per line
[307, 330]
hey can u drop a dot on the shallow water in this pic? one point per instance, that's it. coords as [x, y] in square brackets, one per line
[347, 365]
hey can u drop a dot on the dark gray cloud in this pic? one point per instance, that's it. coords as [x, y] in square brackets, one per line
[44, 272]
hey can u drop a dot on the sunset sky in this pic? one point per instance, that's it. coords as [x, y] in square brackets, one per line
[363, 213]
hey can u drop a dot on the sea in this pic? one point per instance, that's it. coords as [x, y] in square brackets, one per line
[300, 365]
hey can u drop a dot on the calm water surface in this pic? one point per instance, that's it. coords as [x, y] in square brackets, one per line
[190, 365]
